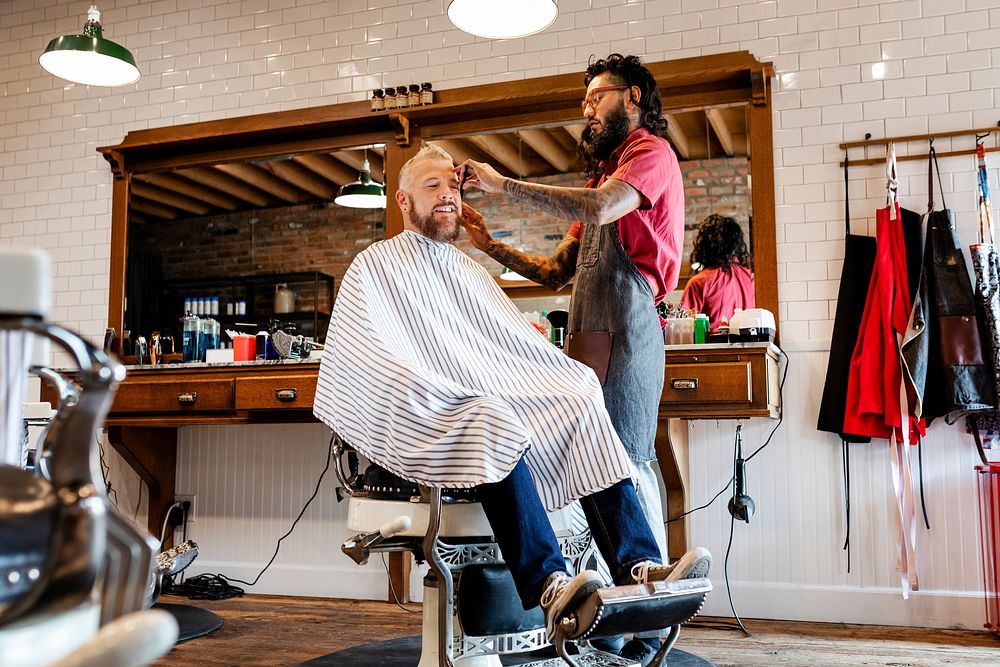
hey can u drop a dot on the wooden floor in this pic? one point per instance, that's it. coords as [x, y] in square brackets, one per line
[271, 630]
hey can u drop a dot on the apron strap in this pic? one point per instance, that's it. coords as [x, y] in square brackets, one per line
[847, 204]
[846, 458]
[892, 183]
[932, 164]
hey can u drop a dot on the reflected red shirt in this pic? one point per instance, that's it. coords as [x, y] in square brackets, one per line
[718, 293]
[653, 234]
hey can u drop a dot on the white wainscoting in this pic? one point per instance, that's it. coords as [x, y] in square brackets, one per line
[251, 482]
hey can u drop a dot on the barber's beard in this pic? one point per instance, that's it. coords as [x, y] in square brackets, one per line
[597, 147]
[431, 228]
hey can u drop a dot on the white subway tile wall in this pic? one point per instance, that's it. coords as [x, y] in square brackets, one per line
[844, 68]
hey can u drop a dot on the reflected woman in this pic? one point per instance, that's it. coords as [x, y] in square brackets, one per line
[724, 281]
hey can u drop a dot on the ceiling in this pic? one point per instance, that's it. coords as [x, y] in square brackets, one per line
[305, 179]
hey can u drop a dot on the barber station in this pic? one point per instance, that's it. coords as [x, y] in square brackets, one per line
[490, 369]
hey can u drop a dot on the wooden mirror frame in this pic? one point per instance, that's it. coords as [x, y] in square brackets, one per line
[700, 82]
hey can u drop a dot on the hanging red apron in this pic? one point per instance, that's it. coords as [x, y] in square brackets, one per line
[878, 399]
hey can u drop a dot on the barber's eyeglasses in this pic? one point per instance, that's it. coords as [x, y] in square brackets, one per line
[595, 96]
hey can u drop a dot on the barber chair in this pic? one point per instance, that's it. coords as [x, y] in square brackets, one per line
[471, 611]
[74, 572]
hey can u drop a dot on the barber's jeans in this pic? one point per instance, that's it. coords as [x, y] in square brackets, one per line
[529, 545]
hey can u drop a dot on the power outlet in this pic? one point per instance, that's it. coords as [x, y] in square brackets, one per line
[187, 497]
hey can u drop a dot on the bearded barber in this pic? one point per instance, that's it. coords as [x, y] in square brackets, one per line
[625, 256]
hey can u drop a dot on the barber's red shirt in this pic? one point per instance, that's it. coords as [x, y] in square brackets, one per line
[653, 234]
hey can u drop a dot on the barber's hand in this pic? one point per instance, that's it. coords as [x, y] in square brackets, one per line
[483, 176]
[472, 220]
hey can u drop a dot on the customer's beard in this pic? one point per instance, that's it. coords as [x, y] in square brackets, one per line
[597, 147]
[431, 228]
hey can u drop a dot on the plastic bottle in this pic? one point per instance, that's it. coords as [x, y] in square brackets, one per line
[700, 328]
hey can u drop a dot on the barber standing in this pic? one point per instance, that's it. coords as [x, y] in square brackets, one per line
[626, 255]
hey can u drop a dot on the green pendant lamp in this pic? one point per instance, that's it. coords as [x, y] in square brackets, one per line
[362, 193]
[90, 59]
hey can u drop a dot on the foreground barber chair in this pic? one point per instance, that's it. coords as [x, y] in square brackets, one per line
[74, 572]
[471, 612]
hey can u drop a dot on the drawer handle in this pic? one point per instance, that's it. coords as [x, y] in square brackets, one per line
[684, 384]
[286, 395]
[187, 398]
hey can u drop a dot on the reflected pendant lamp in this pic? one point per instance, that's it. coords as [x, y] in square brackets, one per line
[362, 193]
[502, 19]
[89, 59]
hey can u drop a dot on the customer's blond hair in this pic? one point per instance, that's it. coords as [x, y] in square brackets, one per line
[428, 152]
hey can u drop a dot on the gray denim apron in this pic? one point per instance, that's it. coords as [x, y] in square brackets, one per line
[611, 295]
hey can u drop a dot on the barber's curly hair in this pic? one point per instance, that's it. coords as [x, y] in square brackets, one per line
[629, 71]
[719, 243]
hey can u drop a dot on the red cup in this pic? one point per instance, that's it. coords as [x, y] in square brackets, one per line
[244, 348]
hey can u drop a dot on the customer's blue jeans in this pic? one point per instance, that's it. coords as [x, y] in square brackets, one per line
[529, 546]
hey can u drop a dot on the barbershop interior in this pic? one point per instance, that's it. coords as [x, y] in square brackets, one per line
[331, 333]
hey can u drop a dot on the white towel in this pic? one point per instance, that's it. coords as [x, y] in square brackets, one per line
[430, 371]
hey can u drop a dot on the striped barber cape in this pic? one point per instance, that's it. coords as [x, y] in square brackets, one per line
[430, 371]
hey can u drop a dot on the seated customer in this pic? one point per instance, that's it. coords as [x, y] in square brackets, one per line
[431, 372]
[724, 281]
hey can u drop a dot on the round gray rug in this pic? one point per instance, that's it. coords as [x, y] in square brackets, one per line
[405, 652]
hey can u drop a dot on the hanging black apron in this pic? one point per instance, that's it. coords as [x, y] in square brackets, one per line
[943, 349]
[859, 260]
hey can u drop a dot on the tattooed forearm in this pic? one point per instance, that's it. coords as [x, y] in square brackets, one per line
[596, 206]
[554, 272]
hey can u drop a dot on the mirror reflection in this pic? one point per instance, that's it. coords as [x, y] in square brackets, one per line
[261, 243]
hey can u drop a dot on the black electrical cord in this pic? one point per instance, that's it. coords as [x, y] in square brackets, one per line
[729, 546]
[395, 598]
[781, 414]
[105, 470]
[277, 547]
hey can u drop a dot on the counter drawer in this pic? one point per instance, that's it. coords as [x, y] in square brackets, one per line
[180, 396]
[728, 382]
[275, 393]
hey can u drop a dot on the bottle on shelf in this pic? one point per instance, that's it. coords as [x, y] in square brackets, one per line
[426, 93]
[378, 99]
[402, 99]
[413, 97]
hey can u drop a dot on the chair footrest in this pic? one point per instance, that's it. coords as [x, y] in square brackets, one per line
[590, 659]
[642, 607]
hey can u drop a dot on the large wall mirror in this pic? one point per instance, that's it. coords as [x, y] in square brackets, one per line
[232, 209]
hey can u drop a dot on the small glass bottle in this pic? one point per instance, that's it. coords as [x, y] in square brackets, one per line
[402, 101]
[190, 326]
[378, 99]
[389, 101]
[426, 94]
[413, 98]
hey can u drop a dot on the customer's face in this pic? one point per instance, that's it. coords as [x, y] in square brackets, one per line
[433, 202]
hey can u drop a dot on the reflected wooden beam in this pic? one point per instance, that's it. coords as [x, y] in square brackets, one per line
[151, 208]
[355, 160]
[678, 137]
[264, 180]
[303, 178]
[721, 129]
[330, 169]
[551, 150]
[190, 188]
[231, 186]
[504, 152]
[169, 198]
[575, 131]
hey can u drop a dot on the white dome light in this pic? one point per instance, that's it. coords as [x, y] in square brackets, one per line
[502, 19]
